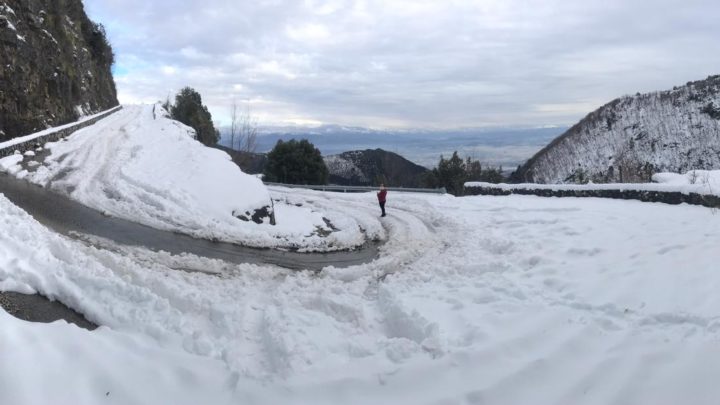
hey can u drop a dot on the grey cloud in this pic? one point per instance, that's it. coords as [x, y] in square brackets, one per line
[410, 62]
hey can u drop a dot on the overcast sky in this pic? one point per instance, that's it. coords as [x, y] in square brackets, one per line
[409, 63]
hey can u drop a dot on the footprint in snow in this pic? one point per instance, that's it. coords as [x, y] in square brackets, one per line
[668, 249]
[584, 252]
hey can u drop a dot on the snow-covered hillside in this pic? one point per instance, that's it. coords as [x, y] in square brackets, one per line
[345, 168]
[140, 165]
[633, 137]
[373, 166]
[500, 300]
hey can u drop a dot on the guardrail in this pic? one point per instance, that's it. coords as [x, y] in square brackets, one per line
[359, 189]
[32, 141]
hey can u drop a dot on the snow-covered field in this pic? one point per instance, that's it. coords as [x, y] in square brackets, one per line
[140, 165]
[477, 300]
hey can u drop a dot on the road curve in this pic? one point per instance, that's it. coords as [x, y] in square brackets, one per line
[65, 216]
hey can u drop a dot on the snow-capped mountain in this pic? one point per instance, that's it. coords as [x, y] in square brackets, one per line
[632, 137]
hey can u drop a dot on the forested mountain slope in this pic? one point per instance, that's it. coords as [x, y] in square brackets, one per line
[632, 137]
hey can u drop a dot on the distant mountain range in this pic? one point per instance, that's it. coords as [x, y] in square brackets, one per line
[632, 137]
[508, 147]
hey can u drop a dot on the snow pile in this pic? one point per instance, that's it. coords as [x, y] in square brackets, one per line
[474, 300]
[11, 163]
[115, 365]
[139, 165]
[695, 181]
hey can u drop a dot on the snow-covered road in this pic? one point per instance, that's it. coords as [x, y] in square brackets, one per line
[499, 300]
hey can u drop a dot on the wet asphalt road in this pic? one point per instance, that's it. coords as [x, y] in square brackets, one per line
[36, 308]
[65, 216]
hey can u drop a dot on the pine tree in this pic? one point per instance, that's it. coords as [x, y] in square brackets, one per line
[451, 173]
[190, 110]
[296, 162]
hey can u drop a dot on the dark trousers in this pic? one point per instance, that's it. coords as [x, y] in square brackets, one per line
[382, 207]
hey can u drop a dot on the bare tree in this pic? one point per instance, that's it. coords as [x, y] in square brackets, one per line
[248, 131]
[243, 129]
[243, 135]
[233, 123]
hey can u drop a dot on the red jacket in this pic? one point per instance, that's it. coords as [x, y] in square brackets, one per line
[381, 195]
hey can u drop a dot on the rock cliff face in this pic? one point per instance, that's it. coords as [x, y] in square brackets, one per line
[54, 65]
[632, 137]
[371, 167]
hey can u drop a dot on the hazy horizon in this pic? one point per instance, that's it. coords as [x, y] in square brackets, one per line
[506, 147]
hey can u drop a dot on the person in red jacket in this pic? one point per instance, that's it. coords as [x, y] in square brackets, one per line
[381, 195]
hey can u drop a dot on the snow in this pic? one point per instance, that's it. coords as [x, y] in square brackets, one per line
[4, 7]
[139, 165]
[11, 163]
[9, 24]
[52, 38]
[695, 181]
[500, 300]
[128, 379]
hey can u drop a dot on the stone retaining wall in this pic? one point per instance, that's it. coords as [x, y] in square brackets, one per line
[667, 197]
[54, 136]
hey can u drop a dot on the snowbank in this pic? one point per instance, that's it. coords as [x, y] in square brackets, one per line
[119, 365]
[141, 166]
[694, 181]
